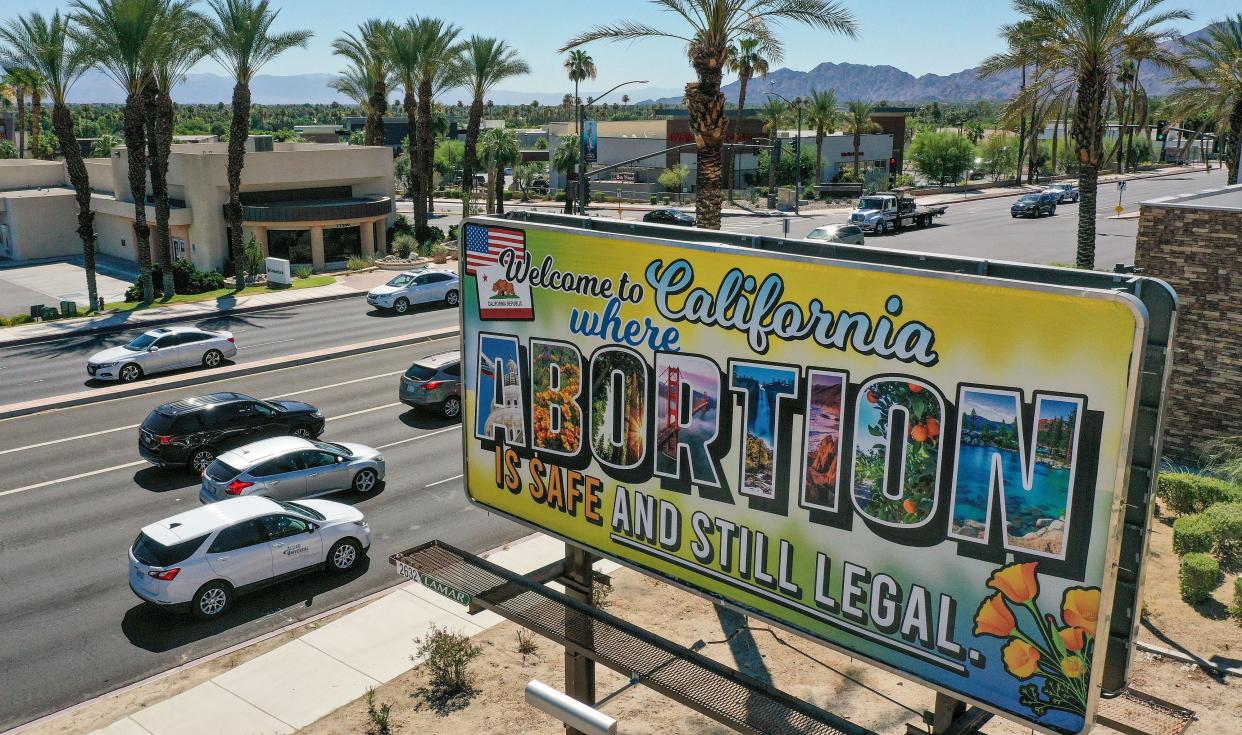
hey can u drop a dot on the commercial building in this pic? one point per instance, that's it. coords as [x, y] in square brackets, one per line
[309, 203]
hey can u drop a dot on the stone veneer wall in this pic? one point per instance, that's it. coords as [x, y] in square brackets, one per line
[1198, 251]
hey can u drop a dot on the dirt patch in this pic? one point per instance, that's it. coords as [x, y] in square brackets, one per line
[846, 686]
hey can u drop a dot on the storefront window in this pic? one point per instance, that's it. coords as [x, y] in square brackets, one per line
[292, 245]
[341, 243]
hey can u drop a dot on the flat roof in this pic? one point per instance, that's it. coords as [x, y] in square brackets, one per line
[36, 191]
[15, 162]
[1227, 199]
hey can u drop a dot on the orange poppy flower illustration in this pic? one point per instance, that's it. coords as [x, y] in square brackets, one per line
[1016, 582]
[994, 618]
[1072, 638]
[1073, 667]
[1081, 608]
[1021, 658]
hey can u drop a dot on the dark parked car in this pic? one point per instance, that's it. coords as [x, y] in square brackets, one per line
[1035, 205]
[191, 432]
[669, 217]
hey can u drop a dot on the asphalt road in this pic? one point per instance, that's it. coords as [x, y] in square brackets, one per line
[54, 368]
[71, 505]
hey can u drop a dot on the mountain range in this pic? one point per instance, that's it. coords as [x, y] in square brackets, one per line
[876, 83]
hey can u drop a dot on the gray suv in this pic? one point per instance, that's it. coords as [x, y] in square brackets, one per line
[434, 383]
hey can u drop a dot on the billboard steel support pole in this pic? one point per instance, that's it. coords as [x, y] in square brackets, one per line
[579, 669]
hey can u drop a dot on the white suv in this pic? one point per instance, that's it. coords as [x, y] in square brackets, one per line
[200, 560]
[426, 286]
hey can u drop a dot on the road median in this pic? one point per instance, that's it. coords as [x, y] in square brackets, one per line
[181, 380]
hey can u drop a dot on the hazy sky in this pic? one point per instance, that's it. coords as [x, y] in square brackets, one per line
[918, 36]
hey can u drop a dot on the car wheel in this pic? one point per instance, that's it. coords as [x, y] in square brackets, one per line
[450, 298]
[212, 358]
[129, 373]
[343, 555]
[401, 305]
[302, 432]
[201, 458]
[211, 600]
[452, 407]
[365, 481]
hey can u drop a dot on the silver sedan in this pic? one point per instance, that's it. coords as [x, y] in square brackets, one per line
[288, 468]
[160, 350]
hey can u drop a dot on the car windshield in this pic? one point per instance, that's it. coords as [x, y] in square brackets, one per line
[822, 232]
[329, 446]
[152, 553]
[301, 510]
[142, 342]
[1029, 199]
[401, 280]
[420, 372]
[221, 471]
[871, 203]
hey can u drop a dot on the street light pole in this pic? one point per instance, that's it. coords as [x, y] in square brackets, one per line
[797, 105]
[582, 147]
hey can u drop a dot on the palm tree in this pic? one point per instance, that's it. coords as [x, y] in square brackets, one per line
[241, 40]
[500, 148]
[19, 80]
[858, 123]
[35, 85]
[121, 36]
[404, 54]
[437, 69]
[975, 132]
[369, 50]
[1091, 35]
[485, 62]
[714, 26]
[775, 115]
[1027, 44]
[747, 59]
[565, 159]
[580, 67]
[356, 84]
[183, 42]
[1210, 85]
[625, 101]
[45, 46]
[823, 115]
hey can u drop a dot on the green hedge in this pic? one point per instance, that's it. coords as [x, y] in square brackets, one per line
[1225, 520]
[1193, 533]
[1183, 492]
[1199, 575]
[1235, 610]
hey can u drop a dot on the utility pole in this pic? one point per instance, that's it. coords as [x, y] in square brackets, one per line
[797, 105]
[582, 146]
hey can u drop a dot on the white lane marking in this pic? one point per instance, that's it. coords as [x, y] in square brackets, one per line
[71, 478]
[69, 438]
[420, 436]
[365, 410]
[264, 344]
[336, 385]
[441, 482]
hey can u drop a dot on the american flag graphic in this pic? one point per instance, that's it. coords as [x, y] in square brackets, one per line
[485, 244]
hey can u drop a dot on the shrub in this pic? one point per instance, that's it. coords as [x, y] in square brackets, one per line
[425, 247]
[13, 321]
[903, 180]
[379, 715]
[204, 281]
[1225, 521]
[357, 263]
[654, 199]
[1235, 610]
[447, 657]
[808, 193]
[439, 258]
[303, 271]
[252, 258]
[527, 645]
[404, 244]
[1192, 534]
[1183, 492]
[452, 235]
[600, 593]
[1199, 575]
[560, 196]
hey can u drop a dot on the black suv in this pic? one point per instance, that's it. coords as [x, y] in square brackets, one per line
[193, 431]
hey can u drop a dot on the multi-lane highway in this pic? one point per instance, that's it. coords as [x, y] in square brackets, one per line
[74, 493]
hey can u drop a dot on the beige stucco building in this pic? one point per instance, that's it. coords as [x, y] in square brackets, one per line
[310, 203]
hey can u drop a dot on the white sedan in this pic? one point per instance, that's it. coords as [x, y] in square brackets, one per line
[201, 560]
[160, 350]
[417, 287]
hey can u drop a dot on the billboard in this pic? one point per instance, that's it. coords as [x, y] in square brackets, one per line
[923, 469]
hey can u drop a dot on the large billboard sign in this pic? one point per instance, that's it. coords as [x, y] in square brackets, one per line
[923, 469]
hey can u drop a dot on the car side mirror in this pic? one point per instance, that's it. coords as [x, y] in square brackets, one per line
[153, 348]
[311, 528]
[340, 459]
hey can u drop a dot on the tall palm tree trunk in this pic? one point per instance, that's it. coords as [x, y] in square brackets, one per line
[1089, 144]
[157, 162]
[1233, 143]
[422, 164]
[377, 106]
[470, 158]
[409, 104]
[239, 130]
[36, 123]
[1021, 129]
[1130, 122]
[500, 188]
[20, 93]
[62, 123]
[819, 157]
[707, 123]
[135, 145]
[857, 152]
[736, 161]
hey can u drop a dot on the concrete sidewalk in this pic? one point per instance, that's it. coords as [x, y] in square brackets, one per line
[303, 680]
[346, 286]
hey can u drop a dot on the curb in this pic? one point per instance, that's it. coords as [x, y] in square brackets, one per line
[169, 319]
[1188, 658]
[83, 398]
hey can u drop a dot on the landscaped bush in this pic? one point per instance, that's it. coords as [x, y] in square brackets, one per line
[1183, 492]
[1235, 610]
[186, 280]
[1199, 575]
[903, 180]
[303, 271]
[357, 263]
[1225, 520]
[13, 321]
[654, 199]
[1192, 534]
[560, 196]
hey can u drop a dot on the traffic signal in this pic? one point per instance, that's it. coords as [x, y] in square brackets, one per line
[1161, 129]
